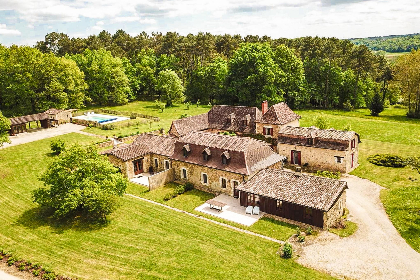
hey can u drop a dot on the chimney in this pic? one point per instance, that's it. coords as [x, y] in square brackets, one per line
[264, 107]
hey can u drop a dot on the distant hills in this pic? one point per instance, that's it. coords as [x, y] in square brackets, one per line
[391, 43]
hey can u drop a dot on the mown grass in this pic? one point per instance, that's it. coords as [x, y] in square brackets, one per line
[393, 133]
[347, 231]
[149, 108]
[141, 241]
[190, 200]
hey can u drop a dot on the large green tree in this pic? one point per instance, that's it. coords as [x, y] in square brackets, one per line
[170, 86]
[4, 129]
[81, 182]
[105, 76]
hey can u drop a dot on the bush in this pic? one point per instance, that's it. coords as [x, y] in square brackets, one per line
[287, 251]
[48, 276]
[347, 127]
[108, 127]
[309, 230]
[328, 174]
[35, 273]
[133, 116]
[388, 160]
[11, 261]
[347, 106]
[321, 122]
[21, 266]
[179, 190]
[301, 238]
[57, 146]
[377, 105]
[189, 186]
[168, 196]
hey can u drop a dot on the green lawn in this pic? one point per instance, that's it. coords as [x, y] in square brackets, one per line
[194, 198]
[391, 132]
[149, 108]
[141, 241]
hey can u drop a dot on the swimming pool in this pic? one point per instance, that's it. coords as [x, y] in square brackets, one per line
[100, 118]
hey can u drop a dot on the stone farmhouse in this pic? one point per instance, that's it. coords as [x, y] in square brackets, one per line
[244, 167]
[47, 119]
[324, 149]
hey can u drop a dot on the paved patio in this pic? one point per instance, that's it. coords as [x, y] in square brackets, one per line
[233, 211]
[141, 179]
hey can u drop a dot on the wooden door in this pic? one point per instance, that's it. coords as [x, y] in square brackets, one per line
[138, 166]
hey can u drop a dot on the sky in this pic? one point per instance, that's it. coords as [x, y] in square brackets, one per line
[24, 22]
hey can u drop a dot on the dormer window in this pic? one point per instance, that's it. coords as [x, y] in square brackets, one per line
[206, 154]
[186, 150]
[225, 157]
[231, 118]
[246, 120]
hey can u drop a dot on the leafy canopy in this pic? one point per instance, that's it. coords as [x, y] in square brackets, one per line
[81, 182]
[170, 85]
[4, 129]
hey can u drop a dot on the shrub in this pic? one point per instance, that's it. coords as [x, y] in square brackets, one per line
[328, 174]
[188, 104]
[168, 196]
[309, 230]
[35, 273]
[108, 127]
[48, 276]
[287, 251]
[57, 146]
[21, 266]
[321, 122]
[347, 106]
[388, 160]
[184, 116]
[11, 261]
[298, 231]
[179, 189]
[347, 127]
[189, 186]
[198, 102]
[377, 105]
[301, 238]
[133, 116]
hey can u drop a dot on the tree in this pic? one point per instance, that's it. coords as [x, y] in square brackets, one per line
[4, 129]
[170, 86]
[252, 74]
[376, 105]
[81, 182]
[105, 76]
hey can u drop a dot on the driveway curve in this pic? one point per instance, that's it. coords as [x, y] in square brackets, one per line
[375, 251]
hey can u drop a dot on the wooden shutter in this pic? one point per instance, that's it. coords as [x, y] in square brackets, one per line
[298, 158]
[292, 159]
[271, 131]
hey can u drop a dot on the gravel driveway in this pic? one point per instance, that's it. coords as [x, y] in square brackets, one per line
[375, 251]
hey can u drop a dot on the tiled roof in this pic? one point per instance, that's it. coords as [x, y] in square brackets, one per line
[145, 144]
[279, 114]
[314, 132]
[53, 111]
[232, 118]
[186, 125]
[28, 118]
[245, 155]
[306, 190]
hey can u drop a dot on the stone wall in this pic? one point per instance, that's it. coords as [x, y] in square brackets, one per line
[276, 127]
[323, 159]
[122, 165]
[336, 212]
[160, 179]
[194, 175]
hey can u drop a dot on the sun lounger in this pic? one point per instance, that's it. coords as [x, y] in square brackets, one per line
[256, 210]
[248, 210]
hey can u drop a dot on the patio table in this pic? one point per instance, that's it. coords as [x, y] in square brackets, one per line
[214, 204]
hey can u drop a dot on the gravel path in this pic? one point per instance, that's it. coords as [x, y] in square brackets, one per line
[375, 251]
[27, 137]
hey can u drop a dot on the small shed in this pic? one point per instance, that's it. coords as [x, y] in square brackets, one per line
[313, 200]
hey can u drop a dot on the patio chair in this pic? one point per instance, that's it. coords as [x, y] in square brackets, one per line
[256, 210]
[248, 210]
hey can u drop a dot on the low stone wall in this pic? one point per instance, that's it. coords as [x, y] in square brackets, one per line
[159, 179]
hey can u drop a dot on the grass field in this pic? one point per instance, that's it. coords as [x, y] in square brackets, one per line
[393, 133]
[149, 108]
[194, 198]
[141, 241]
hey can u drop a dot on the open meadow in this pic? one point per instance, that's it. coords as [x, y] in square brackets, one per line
[141, 240]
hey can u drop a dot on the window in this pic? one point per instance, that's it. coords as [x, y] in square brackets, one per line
[310, 141]
[339, 159]
[353, 143]
[204, 178]
[223, 183]
[205, 157]
[279, 204]
[224, 160]
[206, 154]
[234, 184]
[167, 165]
[186, 150]
[295, 157]
[183, 173]
[244, 122]
[225, 157]
[268, 131]
[156, 162]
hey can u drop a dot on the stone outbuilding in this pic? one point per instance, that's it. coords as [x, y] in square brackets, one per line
[312, 200]
[323, 149]
[219, 163]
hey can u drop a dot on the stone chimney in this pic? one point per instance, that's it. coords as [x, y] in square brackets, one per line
[264, 107]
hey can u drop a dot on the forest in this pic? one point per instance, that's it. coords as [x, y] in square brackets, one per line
[392, 43]
[113, 69]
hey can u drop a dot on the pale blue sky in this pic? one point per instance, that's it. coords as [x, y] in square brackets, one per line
[24, 22]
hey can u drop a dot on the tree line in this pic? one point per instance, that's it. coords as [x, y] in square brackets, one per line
[107, 69]
[392, 43]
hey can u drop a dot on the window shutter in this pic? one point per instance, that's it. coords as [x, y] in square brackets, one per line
[264, 131]
[298, 158]
[271, 131]
[292, 161]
